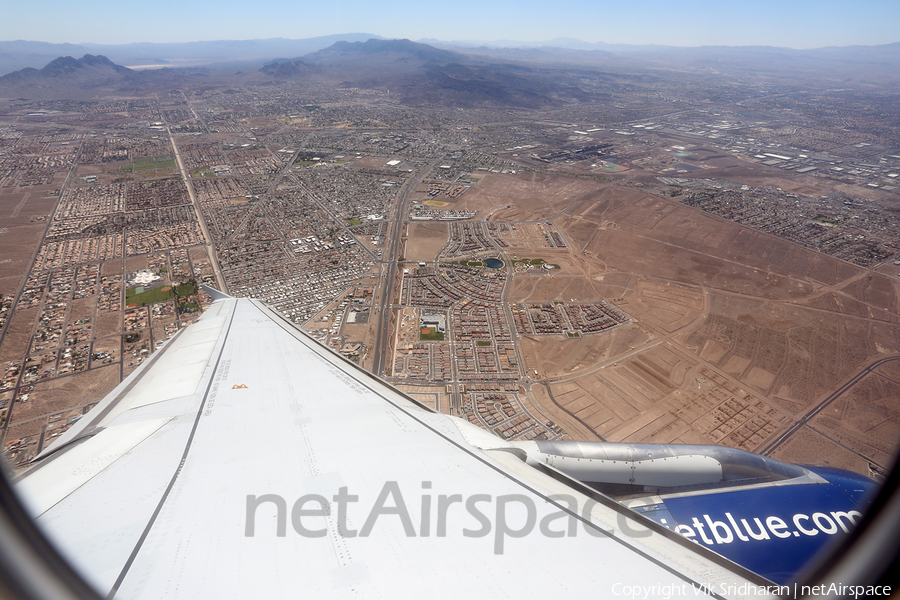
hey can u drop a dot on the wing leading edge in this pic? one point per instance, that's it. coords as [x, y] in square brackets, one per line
[244, 459]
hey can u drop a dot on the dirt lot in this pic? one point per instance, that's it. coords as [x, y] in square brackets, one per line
[198, 254]
[890, 370]
[111, 267]
[525, 235]
[18, 336]
[136, 263]
[108, 324]
[667, 307]
[82, 308]
[55, 395]
[662, 396]
[542, 287]
[22, 231]
[530, 196]
[425, 240]
[554, 356]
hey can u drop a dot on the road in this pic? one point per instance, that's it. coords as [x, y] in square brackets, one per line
[603, 365]
[821, 405]
[210, 245]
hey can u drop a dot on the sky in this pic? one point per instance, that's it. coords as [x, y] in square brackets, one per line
[786, 23]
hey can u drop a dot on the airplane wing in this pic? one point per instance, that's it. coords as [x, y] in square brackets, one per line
[243, 459]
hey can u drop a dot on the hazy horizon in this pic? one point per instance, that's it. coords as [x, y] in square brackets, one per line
[474, 43]
[803, 24]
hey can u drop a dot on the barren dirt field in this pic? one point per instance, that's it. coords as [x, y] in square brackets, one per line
[135, 263]
[558, 413]
[198, 254]
[812, 448]
[531, 196]
[111, 267]
[108, 344]
[108, 324]
[81, 309]
[561, 284]
[19, 212]
[557, 356]
[668, 307]
[425, 240]
[49, 407]
[18, 336]
[525, 235]
[890, 370]
[55, 395]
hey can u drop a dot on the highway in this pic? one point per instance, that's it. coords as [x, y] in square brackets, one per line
[393, 237]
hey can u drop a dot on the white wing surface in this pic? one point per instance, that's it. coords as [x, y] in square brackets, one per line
[244, 460]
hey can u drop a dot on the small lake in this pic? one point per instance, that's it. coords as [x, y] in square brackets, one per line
[493, 263]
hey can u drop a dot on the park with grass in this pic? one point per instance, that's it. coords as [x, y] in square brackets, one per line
[430, 334]
[152, 164]
[523, 264]
[183, 293]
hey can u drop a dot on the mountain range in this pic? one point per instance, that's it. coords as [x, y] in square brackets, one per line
[450, 75]
[19, 54]
[15, 55]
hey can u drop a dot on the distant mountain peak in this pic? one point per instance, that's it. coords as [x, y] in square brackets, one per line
[66, 65]
[340, 51]
[63, 74]
[289, 69]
